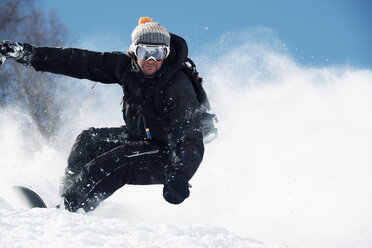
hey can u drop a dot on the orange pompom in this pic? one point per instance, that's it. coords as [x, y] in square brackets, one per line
[144, 20]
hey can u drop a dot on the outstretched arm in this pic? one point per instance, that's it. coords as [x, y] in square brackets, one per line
[78, 63]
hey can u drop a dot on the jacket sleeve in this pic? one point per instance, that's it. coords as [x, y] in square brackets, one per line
[185, 121]
[82, 64]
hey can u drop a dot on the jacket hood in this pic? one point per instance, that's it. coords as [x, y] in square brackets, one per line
[180, 50]
[176, 58]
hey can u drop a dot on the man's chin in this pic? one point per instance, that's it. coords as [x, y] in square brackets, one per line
[149, 72]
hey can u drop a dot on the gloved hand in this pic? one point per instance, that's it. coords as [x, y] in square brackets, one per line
[22, 53]
[176, 188]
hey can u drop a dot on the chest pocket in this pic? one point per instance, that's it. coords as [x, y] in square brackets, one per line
[133, 112]
[142, 118]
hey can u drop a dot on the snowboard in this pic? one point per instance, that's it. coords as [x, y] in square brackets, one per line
[32, 199]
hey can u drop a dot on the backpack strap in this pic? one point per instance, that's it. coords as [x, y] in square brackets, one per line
[208, 117]
[197, 82]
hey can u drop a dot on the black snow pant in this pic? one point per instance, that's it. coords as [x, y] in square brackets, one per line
[103, 160]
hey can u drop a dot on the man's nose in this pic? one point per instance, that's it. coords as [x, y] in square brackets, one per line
[151, 60]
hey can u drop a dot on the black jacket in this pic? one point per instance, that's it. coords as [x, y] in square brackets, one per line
[166, 103]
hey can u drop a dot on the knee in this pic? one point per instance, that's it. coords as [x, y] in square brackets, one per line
[85, 138]
[81, 146]
[87, 135]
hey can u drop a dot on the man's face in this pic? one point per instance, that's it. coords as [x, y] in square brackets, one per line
[150, 66]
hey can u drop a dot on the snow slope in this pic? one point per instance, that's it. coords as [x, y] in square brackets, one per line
[53, 228]
[291, 166]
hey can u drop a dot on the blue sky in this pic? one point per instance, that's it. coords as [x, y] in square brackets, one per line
[317, 32]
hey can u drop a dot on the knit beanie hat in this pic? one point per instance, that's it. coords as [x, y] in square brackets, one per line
[150, 32]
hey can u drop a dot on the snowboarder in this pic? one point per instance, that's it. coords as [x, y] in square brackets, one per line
[162, 140]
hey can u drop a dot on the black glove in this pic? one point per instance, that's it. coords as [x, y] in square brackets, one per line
[176, 188]
[22, 53]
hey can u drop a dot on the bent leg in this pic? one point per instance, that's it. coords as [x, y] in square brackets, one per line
[139, 163]
[90, 144]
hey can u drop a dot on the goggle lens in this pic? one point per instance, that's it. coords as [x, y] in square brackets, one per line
[152, 52]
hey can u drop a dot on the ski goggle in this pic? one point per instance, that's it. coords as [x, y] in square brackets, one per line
[147, 52]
